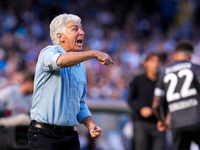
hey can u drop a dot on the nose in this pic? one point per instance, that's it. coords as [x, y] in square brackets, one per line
[81, 32]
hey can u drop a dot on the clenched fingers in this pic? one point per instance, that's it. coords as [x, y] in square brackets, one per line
[96, 133]
[107, 61]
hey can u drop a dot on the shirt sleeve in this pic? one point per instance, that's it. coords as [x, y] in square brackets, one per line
[197, 73]
[3, 96]
[159, 90]
[84, 111]
[133, 95]
[48, 58]
[5, 99]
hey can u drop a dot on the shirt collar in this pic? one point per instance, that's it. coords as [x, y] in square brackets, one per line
[61, 48]
[150, 79]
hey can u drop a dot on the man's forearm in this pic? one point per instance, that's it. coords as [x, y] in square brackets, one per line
[73, 58]
[158, 112]
[157, 109]
[88, 122]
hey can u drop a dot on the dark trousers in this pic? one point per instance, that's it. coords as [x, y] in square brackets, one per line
[182, 137]
[40, 139]
[147, 137]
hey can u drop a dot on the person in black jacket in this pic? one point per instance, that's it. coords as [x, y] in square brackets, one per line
[146, 135]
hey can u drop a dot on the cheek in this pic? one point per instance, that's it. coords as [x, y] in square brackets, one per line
[72, 41]
[69, 39]
[155, 66]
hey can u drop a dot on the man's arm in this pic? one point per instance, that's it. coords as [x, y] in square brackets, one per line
[73, 58]
[157, 108]
[159, 113]
[133, 95]
[95, 131]
[84, 116]
[135, 105]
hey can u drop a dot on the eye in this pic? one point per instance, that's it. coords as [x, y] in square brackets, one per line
[75, 29]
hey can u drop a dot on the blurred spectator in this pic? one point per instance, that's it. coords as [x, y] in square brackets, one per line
[17, 98]
[131, 56]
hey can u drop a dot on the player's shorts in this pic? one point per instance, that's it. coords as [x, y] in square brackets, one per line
[182, 137]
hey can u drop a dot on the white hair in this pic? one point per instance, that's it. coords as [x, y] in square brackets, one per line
[58, 25]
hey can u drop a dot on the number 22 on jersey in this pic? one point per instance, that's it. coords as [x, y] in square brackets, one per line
[185, 90]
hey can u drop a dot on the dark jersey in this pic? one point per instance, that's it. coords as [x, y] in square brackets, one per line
[179, 84]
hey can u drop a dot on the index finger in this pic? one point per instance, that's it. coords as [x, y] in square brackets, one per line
[111, 61]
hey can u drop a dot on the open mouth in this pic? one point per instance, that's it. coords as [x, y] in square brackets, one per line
[79, 41]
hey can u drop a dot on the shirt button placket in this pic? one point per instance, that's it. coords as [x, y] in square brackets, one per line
[70, 98]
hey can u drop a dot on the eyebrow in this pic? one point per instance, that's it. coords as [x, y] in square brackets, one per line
[76, 26]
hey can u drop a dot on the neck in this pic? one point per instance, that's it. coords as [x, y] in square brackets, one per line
[65, 48]
[152, 76]
[182, 57]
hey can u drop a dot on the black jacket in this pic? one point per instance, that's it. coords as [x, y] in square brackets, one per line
[141, 95]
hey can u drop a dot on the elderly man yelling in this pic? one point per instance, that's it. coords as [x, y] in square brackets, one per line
[60, 85]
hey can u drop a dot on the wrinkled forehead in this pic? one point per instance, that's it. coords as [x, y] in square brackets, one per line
[73, 23]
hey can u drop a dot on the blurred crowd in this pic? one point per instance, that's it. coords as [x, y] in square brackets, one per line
[126, 30]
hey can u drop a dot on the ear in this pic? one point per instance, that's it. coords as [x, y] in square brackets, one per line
[60, 37]
[175, 56]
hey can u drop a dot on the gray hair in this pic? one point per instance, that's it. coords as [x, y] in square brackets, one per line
[58, 25]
